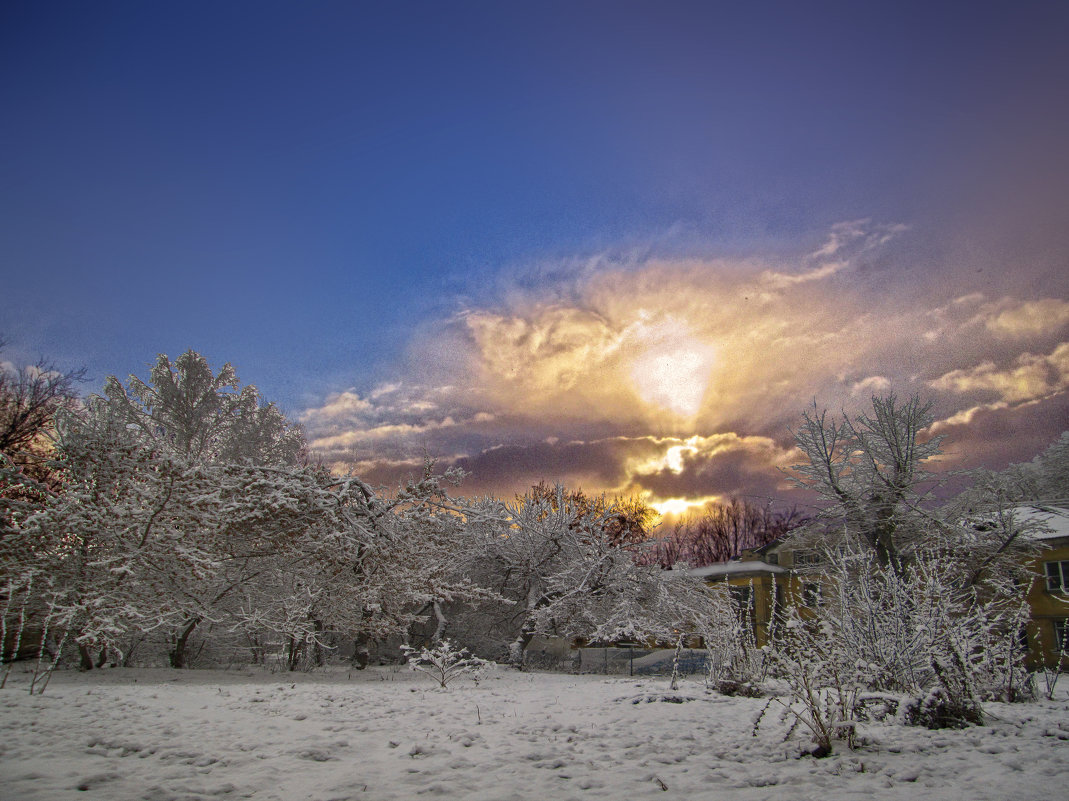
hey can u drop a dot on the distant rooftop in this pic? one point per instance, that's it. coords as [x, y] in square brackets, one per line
[734, 568]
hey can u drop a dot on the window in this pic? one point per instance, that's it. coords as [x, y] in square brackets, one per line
[742, 600]
[812, 595]
[1060, 630]
[806, 558]
[1057, 576]
[741, 597]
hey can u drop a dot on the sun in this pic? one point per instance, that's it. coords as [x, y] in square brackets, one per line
[673, 369]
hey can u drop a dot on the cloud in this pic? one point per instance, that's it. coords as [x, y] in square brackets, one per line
[549, 350]
[993, 435]
[861, 235]
[1028, 319]
[1029, 378]
[873, 385]
[845, 243]
[716, 467]
[678, 379]
[672, 365]
[774, 280]
[348, 405]
[966, 417]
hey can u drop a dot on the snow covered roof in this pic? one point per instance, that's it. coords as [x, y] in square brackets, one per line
[735, 568]
[1053, 519]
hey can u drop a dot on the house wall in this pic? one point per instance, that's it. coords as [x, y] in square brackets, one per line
[767, 597]
[1048, 608]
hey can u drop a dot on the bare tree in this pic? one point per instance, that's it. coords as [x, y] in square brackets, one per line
[721, 533]
[870, 471]
[30, 396]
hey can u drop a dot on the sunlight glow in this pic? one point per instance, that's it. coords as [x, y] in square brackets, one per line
[677, 507]
[673, 371]
[672, 459]
[672, 506]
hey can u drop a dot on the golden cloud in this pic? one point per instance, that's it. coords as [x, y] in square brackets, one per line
[1030, 377]
[873, 385]
[678, 379]
[670, 345]
[1029, 319]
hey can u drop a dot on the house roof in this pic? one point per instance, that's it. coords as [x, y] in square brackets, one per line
[773, 545]
[1053, 520]
[734, 568]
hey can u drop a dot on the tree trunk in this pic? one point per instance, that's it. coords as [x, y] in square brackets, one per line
[362, 651]
[439, 630]
[293, 653]
[518, 647]
[178, 653]
[319, 655]
[675, 663]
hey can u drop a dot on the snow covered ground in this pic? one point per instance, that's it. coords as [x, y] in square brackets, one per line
[386, 733]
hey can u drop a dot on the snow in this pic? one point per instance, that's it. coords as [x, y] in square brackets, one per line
[387, 733]
[733, 568]
[1054, 521]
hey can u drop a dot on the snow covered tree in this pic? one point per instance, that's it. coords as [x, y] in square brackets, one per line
[1052, 467]
[566, 573]
[30, 398]
[870, 472]
[203, 417]
[920, 598]
[375, 563]
[168, 505]
[1042, 481]
[69, 548]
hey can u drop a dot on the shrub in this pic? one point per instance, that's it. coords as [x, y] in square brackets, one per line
[444, 662]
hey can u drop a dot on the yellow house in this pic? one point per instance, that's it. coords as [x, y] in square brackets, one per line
[1048, 595]
[762, 580]
[755, 585]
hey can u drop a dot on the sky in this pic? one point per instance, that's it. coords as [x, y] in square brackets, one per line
[620, 245]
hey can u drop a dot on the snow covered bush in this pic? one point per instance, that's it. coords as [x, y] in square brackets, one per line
[921, 641]
[823, 683]
[940, 709]
[445, 662]
[735, 664]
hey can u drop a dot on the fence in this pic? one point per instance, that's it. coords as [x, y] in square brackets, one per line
[640, 661]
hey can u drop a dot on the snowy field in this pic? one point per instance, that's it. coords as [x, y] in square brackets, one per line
[386, 733]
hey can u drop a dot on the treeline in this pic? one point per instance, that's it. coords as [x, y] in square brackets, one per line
[184, 512]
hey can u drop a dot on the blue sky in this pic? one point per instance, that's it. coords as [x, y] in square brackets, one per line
[419, 226]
